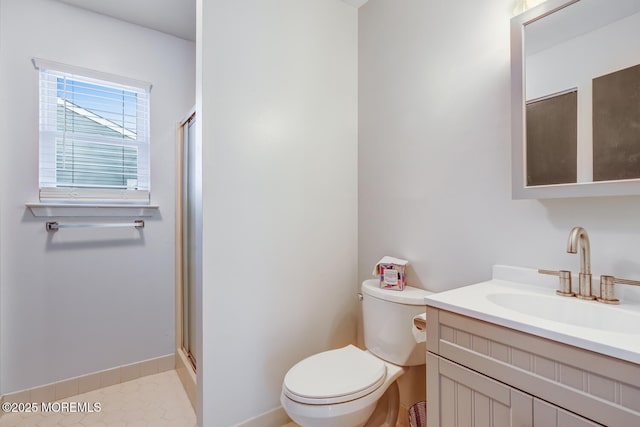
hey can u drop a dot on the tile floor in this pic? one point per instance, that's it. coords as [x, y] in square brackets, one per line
[152, 401]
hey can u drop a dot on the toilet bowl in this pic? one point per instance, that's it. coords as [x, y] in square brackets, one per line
[345, 387]
[337, 388]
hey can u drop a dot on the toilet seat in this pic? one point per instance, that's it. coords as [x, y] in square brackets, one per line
[334, 376]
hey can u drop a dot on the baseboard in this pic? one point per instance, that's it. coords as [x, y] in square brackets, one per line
[276, 417]
[86, 383]
[187, 376]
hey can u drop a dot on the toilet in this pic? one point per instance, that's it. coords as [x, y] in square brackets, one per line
[350, 387]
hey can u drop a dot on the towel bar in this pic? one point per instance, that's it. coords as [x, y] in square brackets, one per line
[54, 226]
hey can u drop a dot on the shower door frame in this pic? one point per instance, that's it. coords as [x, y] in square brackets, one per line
[185, 365]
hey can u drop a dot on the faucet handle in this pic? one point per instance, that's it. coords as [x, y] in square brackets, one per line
[565, 281]
[607, 288]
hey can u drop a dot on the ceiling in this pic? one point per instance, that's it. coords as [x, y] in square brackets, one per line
[176, 17]
[355, 3]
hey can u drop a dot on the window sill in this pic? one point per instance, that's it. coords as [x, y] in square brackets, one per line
[39, 209]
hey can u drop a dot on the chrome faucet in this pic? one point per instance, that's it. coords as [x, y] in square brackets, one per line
[578, 238]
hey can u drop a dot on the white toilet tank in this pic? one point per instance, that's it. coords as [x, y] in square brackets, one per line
[388, 318]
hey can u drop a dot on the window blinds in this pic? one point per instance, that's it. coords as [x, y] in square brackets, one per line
[94, 139]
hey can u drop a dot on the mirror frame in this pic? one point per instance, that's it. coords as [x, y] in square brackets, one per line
[518, 120]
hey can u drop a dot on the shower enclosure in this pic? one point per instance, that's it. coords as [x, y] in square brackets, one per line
[189, 241]
[188, 253]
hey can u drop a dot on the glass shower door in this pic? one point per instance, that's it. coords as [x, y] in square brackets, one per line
[189, 240]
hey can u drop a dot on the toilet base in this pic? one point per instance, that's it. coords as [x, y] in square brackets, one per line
[386, 412]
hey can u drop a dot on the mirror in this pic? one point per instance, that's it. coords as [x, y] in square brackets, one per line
[575, 71]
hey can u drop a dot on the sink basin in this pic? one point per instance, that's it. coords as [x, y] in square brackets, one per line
[572, 311]
[523, 300]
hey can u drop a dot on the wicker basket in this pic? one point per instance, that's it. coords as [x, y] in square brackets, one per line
[418, 414]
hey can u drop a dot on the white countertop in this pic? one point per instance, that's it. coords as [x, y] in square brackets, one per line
[613, 330]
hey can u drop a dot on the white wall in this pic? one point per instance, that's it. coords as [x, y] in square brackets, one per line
[279, 131]
[80, 301]
[434, 87]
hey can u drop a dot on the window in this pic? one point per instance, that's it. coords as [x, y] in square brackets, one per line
[94, 137]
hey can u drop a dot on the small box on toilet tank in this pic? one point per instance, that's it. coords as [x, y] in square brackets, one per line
[392, 273]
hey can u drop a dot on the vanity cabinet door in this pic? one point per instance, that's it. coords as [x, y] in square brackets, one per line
[460, 397]
[600, 388]
[548, 415]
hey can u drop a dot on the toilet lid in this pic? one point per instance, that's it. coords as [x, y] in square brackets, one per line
[334, 376]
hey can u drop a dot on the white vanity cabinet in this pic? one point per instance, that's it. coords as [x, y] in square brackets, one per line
[481, 374]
